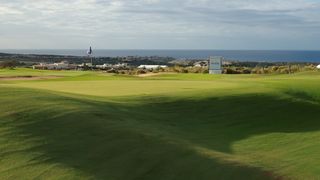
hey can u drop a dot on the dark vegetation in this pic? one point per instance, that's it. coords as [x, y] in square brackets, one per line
[10, 64]
[134, 61]
[267, 67]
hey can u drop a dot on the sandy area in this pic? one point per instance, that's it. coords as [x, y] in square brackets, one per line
[16, 78]
[153, 74]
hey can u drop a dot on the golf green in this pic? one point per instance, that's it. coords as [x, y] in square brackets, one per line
[92, 125]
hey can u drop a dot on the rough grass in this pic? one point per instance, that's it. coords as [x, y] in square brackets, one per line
[96, 126]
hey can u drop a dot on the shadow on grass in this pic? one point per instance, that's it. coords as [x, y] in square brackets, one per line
[155, 139]
[303, 96]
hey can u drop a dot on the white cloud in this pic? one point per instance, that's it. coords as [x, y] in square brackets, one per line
[8, 11]
[153, 23]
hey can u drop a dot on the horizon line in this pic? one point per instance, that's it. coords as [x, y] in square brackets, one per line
[162, 49]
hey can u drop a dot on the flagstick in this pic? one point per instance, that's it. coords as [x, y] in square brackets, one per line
[89, 52]
[91, 63]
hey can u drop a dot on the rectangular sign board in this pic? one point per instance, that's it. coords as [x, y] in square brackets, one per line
[215, 65]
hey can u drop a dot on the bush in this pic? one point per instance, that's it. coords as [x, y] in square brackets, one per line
[206, 71]
[112, 71]
[141, 71]
[9, 64]
[155, 70]
[246, 71]
[230, 71]
[184, 70]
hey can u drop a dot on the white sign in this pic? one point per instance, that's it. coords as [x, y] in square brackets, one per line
[215, 65]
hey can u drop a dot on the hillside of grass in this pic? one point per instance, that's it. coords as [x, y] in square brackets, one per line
[89, 125]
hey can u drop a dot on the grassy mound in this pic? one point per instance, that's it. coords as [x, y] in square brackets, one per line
[96, 126]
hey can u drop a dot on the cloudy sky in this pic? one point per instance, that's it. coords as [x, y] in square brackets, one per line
[160, 24]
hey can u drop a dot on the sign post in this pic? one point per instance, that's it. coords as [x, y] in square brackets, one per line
[215, 65]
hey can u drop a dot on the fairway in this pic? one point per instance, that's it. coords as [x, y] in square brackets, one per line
[93, 125]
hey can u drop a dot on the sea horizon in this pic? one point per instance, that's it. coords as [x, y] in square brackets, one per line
[237, 55]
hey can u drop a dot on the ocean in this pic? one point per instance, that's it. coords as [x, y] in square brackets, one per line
[241, 55]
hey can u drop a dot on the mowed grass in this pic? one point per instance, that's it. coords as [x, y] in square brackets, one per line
[90, 125]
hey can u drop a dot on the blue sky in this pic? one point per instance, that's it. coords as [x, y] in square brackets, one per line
[160, 24]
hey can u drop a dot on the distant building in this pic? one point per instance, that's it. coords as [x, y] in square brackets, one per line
[63, 65]
[116, 66]
[85, 64]
[318, 67]
[201, 64]
[120, 65]
[104, 66]
[152, 66]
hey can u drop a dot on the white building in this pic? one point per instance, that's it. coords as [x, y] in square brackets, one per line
[120, 65]
[201, 64]
[104, 66]
[54, 66]
[152, 66]
[61, 65]
[86, 64]
[318, 67]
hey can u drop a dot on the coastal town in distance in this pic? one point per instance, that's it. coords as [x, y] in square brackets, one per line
[135, 65]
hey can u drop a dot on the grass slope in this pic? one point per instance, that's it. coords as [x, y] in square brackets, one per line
[95, 126]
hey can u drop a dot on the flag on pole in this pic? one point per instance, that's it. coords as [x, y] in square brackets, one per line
[89, 52]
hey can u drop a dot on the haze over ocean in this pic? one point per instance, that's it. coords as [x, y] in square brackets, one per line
[242, 55]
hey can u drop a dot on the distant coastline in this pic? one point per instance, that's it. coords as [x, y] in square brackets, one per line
[237, 55]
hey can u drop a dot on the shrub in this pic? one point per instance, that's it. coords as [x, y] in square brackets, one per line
[9, 64]
[141, 71]
[230, 71]
[206, 71]
[112, 71]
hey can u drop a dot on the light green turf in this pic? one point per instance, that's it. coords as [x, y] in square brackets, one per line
[90, 125]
